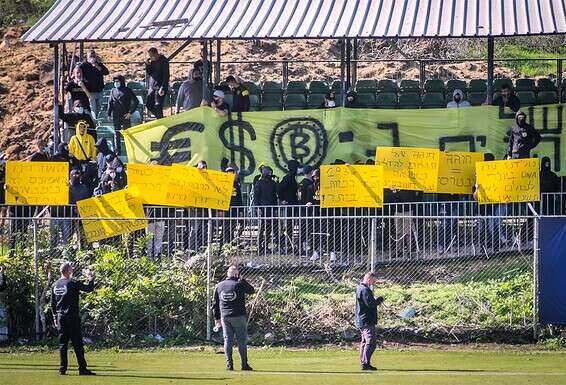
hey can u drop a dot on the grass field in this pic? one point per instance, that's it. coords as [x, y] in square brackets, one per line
[304, 367]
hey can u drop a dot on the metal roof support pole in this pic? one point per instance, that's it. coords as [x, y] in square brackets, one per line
[355, 62]
[205, 70]
[559, 78]
[210, 61]
[343, 69]
[56, 79]
[217, 77]
[490, 63]
[422, 72]
[348, 63]
[81, 51]
[285, 73]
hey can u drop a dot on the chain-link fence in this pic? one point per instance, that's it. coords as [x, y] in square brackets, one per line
[448, 270]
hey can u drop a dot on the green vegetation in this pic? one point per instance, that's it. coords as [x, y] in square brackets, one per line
[22, 12]
[305, 367]
[529, 68]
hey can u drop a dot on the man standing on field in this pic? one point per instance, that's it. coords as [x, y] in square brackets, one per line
[366, 318]
[230, 313]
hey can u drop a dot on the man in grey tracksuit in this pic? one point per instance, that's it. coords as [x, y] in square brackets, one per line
[366, 318]
[230, 313]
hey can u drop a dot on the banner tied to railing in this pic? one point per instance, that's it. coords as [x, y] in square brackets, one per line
[351, 186]
[37, 183]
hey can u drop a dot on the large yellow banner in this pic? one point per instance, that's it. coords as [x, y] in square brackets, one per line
[37, 183]
[407, 168]
[316, 137]
[457, 172]
[149, 182]
[189, 186]
[351, 186]
[506, 181]
[118, 204]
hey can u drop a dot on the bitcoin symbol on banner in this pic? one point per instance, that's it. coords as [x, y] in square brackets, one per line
[303, 139]
[232, 136]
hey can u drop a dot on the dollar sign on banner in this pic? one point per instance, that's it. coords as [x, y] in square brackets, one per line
[232, 136]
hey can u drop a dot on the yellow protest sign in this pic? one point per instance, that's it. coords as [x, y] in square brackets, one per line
[118, 204]
[457, 172]
[505, 181]
[351, 186]
[149, 182]
[189, 186]
[37, 183]
[407, 168]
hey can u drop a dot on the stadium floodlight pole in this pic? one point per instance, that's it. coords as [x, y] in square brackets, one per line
[490, 64]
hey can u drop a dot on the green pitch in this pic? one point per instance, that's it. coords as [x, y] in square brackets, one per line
[305, 367]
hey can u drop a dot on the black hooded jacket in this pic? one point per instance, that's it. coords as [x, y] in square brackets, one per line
[288, 187]
[549, 181]
[102, 150]
[122, 100]
[523, 137]
[158, 73]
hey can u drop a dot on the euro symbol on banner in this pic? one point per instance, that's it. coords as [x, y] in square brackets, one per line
[232, 135]
[168, 143]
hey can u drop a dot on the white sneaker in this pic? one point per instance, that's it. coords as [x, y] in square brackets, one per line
[332, 257]
[315, 256]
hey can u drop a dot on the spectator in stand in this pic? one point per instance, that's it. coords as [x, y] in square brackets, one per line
[287, 191]
[305, 196]
[3, 281]
[77, 90]
[81, 146]
[93, 71]
[157, 69]
[62, 154]
[265, 194]
[236, 202]
[190, 92]
[102, 151]
[329, 100]
[507, 99]
[41, 153]
[202, 165]
[458, 100]
[112, 179]
[122, 103]
[549, 183]
[352, 100]
[241, 98]
[523, 138]
[79, 114]
[219, 105]
[115, 165]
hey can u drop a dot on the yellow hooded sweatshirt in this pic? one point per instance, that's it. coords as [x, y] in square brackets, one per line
[87, 143]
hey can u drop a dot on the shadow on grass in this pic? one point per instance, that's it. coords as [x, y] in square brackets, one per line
[54, 365]
[140, 376]
[378, 370]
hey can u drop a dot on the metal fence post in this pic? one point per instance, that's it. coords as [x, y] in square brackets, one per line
[535, 275]
[208, 278]
[36, 281]
[373, 243]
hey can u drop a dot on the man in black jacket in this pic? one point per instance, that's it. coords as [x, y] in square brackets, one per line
[523, 138]
[352, 100]
[241, 96]
[157, 69]
[507, 99]
[79, 114]
[287, 191]
[122, 103]
[265, 194]
[65, 308]
[230, 313]
[93, 71]
[366, 318]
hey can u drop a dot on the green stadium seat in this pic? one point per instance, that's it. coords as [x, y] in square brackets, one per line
[271, 102]
[525, 85]
[318, 87]
[434, 86]
[295, 102]
[546, 85]
[433, 100]
[252, 87]
[337, 86]
[386, 100]
[499, 82]
[477, 85]
[527, 98]
[546, 97]
[254, 102]
[108, 86]
[297, 87]
[366, 86]
[410, 86]
[387, 86]
[136, 86]
[315, 101]
[229, 99]
[409, 100]
[455, 84]
[368, 99]
[476, 98]
[271, 87]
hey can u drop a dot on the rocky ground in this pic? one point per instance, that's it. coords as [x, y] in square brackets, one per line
[26, 73]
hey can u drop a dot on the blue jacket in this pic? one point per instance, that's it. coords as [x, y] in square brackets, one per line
[366, 306]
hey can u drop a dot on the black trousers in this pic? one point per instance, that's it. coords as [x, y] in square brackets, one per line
[154, 103]
[70, 330]
[120, 123]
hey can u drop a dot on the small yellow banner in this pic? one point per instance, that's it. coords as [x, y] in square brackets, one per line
[505, 181]
[189, 186]
[351, 186]
[37, 183]
[118, 204]
[407, 168]
[457, 172]
[149, 182]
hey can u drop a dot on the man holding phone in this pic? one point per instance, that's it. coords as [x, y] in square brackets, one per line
[230, 313]
[65, 308]
[366, 318]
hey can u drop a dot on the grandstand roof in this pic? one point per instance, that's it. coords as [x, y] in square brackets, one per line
[122, 20]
